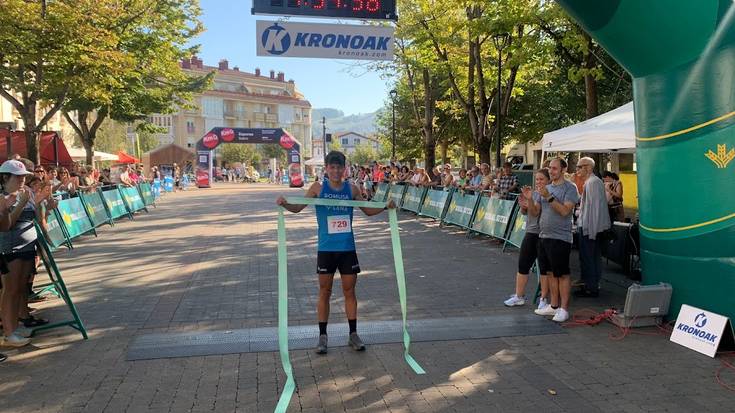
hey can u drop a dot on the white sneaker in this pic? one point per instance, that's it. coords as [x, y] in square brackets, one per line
[23, 331]
[15, 340]
[546, 311]
[542, 303]
[514, 300]
[561, 315]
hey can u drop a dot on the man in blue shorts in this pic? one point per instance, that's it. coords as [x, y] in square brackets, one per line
[336, 249]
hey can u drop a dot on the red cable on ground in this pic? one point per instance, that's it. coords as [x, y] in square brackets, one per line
[726, 365]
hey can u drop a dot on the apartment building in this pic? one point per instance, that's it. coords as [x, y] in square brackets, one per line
[349, 141]
[238, 100]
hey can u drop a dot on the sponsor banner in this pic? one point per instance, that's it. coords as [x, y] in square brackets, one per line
[518, 230]
[701, 330]
[95, 206]
[493, 216]
[114, 203]
[320, 40]
[381, 193]
[434, 203]
[56, 235]
[75, 217]
[132, 198]
[460, 209]
[396, 194]
[413, 198]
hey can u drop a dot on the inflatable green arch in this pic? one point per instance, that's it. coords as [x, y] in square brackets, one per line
[681, 55]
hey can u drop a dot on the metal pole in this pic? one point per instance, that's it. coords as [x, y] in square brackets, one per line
[324, 135]
[499, 127]
[393, 157]
[56, 150]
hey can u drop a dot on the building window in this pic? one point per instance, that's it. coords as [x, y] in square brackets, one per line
[356, 141]
[190, 126]
[345, 141]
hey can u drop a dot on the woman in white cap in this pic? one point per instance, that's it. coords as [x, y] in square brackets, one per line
[18, 247]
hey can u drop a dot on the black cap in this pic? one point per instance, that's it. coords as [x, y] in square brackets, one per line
[335, 157]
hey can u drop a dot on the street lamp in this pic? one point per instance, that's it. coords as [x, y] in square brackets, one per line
[501, 41]
[393, 94]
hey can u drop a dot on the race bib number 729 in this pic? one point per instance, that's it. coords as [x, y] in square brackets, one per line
[338, 224]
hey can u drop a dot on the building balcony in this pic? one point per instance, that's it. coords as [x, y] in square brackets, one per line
[192, 111]
[271, 117]
[260, 117]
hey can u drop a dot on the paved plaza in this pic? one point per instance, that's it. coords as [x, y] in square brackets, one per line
[205, 261]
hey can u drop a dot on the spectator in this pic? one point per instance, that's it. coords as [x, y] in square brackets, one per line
[475, 182]
[508, 182]
[67, 183]
[447, 177]
[488, 182]
[53, 178]
[614, 195]
[125, 179]
[86, 181]
[405, 174]
[530, 203]
[105, 179]
[594, 218]
[462, 181]
[557, 204]
[18, 243]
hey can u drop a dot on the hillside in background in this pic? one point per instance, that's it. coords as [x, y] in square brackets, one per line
[363, 123]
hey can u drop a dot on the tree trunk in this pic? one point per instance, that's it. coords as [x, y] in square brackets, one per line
[483, 150]
[29, 120]
[89, 149]
[430, 157]
[443, 147]
[590, 83]
[429, 107]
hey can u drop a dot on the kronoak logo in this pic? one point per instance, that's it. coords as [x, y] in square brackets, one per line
[228, 135]
[210, 140]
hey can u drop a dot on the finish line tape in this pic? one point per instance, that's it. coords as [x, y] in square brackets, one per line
[290, 385]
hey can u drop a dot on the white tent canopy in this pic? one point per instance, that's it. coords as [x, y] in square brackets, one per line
[611, 131]
[317, 161]
[80, 153]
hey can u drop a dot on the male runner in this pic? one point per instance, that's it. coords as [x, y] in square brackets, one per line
[336, 249]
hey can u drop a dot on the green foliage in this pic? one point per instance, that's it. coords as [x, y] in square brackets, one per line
[269, 151]
[363, 154]
[237, 152]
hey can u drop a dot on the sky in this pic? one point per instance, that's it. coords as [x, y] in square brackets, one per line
[326, 83]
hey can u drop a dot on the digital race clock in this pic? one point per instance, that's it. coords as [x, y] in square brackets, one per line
[343, 9]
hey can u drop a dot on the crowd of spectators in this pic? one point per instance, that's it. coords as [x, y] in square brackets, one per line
[503, 183]
[553, 206]
[29, 194]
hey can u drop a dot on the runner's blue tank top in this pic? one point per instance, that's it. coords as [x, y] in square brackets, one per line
[335, 223]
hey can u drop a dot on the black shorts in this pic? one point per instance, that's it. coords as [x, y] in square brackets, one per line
[528, 254]
[553, 256]
[328, 262]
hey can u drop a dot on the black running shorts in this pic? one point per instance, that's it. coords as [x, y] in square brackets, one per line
[328, 262]
[528, 254]
[553, 256]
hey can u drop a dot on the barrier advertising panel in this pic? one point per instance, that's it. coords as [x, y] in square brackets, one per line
[413, 198]
[381, 193]
[114, 203]
[434, 203]
[146, 192]
[75, 217]
[396, 194]
[493, 215]
[518, 230]
[95, 207]
[55, 231]
[132, 198]
[461, 208]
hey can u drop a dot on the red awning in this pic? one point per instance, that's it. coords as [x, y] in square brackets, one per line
[46, 147]
[123, 157]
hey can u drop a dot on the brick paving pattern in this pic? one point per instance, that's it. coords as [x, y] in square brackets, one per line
[206, 260]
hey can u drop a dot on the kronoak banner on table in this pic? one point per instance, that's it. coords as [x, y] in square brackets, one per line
[330, 41]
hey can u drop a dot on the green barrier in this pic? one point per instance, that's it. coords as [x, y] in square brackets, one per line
[290, 386]
[461, 209]
[55, 286]
[492, 217]
[131, 197]
[435, 203]
[396, 193]
[75, 218]
[146, 192]
[114, 202]
[518, 228]
[381, 192]
[56, 232]
[413, 199]
[95, 206]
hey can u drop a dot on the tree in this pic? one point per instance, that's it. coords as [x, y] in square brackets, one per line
[150, 40]
[243, 153]
[49, 47]
[270, 151]
[364, 153]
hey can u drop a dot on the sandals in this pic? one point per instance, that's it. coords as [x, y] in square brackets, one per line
[32, 321]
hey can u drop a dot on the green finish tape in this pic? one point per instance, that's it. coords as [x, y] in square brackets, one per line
[290, 386]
